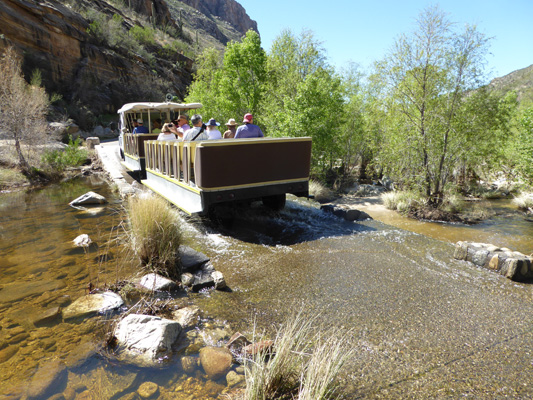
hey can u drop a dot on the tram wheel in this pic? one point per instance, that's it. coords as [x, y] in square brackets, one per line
[275, 202]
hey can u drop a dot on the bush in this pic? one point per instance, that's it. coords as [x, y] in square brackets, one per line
[73, 155]
[321, 193]
[145, 36]
[304, 366]
[155, 235]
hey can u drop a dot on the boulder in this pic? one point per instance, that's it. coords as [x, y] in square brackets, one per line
[216, 361]
[187, 316]
[349, 214]
[88, 198]
[191, 259]
[218, 279]
[92, 142]
[157, 282]
[146, 340]
[92, 304]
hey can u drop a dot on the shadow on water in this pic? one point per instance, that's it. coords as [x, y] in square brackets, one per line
[298, 222]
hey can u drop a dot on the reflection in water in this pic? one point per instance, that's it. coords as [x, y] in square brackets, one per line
[421, 322]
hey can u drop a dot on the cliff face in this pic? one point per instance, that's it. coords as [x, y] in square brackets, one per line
[54, 39]
[227, 10]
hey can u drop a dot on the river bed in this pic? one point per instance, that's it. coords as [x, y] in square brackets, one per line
[423, 325]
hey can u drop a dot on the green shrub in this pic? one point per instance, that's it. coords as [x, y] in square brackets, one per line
[155, 235]
[144, 35]
[73, 155]
[524, 201]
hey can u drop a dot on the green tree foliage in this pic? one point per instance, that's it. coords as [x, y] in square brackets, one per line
[304, 96]
[234, 87]
[427, 77]
[524, 145]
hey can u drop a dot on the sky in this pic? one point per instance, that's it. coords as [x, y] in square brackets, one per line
[364, 31]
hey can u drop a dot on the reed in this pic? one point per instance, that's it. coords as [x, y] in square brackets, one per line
[154, 234]
[401, 201]
[303, 366]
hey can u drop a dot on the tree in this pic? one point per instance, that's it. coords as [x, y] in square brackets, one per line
[304, 96]
[235, 86]
[524, 145]
[23, 108]
[427, 76]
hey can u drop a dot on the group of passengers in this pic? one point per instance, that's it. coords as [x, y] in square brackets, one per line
[178, 129]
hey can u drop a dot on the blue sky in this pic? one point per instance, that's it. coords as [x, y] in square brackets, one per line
[364, 31]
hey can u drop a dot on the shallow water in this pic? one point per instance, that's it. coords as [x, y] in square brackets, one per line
[423, 325]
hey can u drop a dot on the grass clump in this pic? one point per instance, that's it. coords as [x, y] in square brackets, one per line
[402, 201]
[320, 192]
[304, 366]
[155, 235]
[524, 201]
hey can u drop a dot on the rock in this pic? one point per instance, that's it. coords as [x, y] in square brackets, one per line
[191, 259]
[49, 316]
[216, 361]
[92, 142]
[88, 198]
[157, 282]
[219, 281]
[148, 390]
[7, 353]
[511, 264]
[47, 378]
[234, 379]
[65, 129]
[80, 355]
[189, 364]
[187, 316]
[98, 132]
[187, 279]
[264, 346]
[146, 340]
[82, 241]
[346, 213]
[92, 304]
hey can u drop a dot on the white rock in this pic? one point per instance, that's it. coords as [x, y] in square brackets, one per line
[92, 304]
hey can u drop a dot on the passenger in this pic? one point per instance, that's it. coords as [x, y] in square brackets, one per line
[157, 126]
[166, 132]
[232, 127]
[248, 130]
[182, 124]
[212, 130]
[198, 132]
[140, 127]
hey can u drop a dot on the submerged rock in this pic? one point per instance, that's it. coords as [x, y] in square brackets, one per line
[46, 379]
[216, 361]
[93, 304]
[146, 340]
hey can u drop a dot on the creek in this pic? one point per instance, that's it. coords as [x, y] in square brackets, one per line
[423, 324]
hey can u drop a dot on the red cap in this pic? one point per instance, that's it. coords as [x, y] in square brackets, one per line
[248, 118]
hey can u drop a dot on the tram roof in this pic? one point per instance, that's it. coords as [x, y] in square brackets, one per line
[158, 106]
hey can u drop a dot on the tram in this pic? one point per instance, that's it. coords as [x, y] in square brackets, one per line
[197, 176]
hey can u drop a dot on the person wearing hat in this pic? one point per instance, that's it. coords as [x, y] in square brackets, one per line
[248, 130]
[232, 128]
[212, 131]
[140, 128]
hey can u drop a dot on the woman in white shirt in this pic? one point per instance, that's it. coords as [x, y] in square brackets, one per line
[167, 132]
[211, 129]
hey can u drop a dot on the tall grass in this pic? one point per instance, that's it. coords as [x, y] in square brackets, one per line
[154, 234]
[304, 366]
[524, 201]
[401, 201]
[320, 192]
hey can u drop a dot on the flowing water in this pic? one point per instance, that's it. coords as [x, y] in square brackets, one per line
[422, 324]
